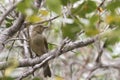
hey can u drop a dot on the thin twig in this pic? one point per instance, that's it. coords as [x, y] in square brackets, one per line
[45, 60]
[28, 23]
[12, 39]
[11, 46]
[68, 47]
[34, 68]
[8, 11]
[101, 4]
[9, 32]
[98, 62]
[91, 71]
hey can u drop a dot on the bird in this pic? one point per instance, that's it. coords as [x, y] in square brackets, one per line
[38, 44]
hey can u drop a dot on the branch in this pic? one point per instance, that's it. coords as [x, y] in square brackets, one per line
[53, 53]
[28, 23]
[32, 70]
[38, 3]
[101, 3]
[11, 31]
[8, 11]
[46, 20]
[13, 39]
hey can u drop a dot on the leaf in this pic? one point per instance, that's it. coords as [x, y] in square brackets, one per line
[43, 12]
[113, 5]
[70, 30]
[94, 19]
[112, 37]
[51, 46]
[8, 22]
[58, 78]
[25, 6]
[7, 78]
[90, 6]
[34, 18]
[64, 2]
[109, 48]
[113, 19]
[36, 78]
[78, 10]
[9, 19]
[54, 5]
[91, 29]
[73, 1]
[115, 56]
[84, 8]
[109, 19]
[9, 70]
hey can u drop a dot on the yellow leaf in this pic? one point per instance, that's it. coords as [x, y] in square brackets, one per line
[34, 18]
[43, 12]
[10, 69]
[59, 78]
[92, 32]
[112, 19]
[109, 19]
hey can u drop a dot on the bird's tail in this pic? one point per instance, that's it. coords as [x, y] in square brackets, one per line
[46, 70]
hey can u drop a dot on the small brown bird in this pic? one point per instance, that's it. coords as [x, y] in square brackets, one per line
[38, 44]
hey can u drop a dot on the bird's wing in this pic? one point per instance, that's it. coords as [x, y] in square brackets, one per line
[46, 44]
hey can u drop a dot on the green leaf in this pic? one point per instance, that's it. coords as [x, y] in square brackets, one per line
[8, 22]
[23, 5]
[78, 10]
[73, 1]
[36, 78]
[91, 29]
[34, 18]
[51, 46]
[54, 5]
[84, 8]
[7, 78]
[9, 19]
[113, 5]
[115, 56]
[90, 6]
[64, 2]
[112, 37]
[70, 30]
[94, 19]
[109, 48]
[26, 5]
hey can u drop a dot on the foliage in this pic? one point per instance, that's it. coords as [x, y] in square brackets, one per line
[93, 17]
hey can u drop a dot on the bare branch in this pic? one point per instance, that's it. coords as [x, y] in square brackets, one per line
[12, 39]
[38, 3]
[68, 47]
[8, 11]
[101, 3]
[33, 69]
[57, 52]
[11, 31]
